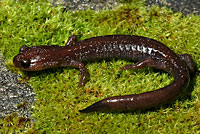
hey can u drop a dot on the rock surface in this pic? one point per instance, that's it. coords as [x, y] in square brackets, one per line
[14, 97]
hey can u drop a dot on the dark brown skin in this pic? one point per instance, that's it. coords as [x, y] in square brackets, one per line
[148, 53]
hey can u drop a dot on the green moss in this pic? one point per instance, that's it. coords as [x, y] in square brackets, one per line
[57, 93]
[14, 124]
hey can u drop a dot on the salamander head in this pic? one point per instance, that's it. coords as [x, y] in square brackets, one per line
[33, 58]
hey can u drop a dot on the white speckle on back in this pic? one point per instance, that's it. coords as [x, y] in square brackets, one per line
[110, 48]
[121, 47]
[127, 46]
[150, 50]
[133, 47]
[76, 54]
[144, 49]
[139, 48]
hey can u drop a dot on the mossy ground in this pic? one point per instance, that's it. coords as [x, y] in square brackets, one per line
[57, 93]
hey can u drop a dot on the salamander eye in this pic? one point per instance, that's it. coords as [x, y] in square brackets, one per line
[25, 63]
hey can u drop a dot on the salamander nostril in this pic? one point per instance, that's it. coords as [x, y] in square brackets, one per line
[25, 63]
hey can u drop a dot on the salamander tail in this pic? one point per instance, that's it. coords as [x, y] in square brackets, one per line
[99, 106]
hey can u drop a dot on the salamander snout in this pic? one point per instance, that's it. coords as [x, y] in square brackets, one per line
[21, 63]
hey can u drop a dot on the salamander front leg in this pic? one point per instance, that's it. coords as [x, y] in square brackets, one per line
[71, 41]
[83, 75]
[82, 69]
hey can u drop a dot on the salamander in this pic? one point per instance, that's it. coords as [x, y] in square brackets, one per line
[145, 51]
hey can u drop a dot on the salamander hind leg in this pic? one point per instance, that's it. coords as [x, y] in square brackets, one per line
[188, 61]
[148, 62]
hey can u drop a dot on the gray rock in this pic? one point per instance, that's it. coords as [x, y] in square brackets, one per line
[184, 6]
[14, 97]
